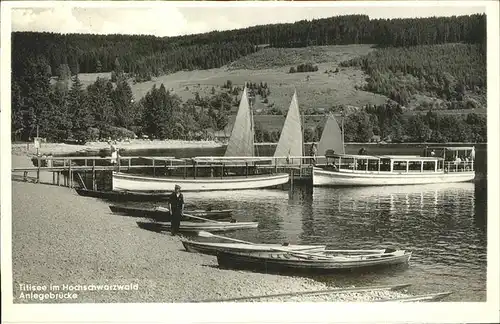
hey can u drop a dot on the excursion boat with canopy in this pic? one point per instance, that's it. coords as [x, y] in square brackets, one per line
[437, 165]
[236, 170]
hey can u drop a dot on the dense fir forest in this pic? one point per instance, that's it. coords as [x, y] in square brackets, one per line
[106, 108]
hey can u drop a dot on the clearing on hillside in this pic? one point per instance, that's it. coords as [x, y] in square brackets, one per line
[321, 89]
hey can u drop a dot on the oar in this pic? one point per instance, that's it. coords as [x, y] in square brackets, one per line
[201, 218]
[208, 234]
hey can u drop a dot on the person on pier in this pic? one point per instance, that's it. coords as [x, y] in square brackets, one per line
[176, 207]
[314, 151]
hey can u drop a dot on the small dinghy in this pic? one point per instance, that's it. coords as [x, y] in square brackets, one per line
[214, 248]
[207, 226]
[304, 261]
[162, 213]
[113, 195]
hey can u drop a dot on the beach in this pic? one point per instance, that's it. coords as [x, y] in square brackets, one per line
[74, 244]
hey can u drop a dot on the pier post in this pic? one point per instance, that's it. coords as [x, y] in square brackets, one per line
[25, 176]
[58, 178]
[70, 176]
[38, 171]
[154, 172]
[93, 175]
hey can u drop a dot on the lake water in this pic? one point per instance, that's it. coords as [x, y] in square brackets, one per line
[443, 225]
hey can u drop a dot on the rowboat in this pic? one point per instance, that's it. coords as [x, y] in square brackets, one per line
[236, 170]
[440, 165]
[214, 248]
[309, 262]
[161, 213]
[114, 195]
[207, 226]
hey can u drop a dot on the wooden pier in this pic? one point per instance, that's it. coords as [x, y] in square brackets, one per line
[66, 169]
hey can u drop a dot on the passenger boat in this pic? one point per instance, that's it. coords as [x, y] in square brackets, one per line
[114, 195]
[206, 226]
[237, 170]
[451, 164]
[214, 248]
[301, 261]
[162, 213]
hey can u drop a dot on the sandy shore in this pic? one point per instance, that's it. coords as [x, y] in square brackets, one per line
[61, 148]
[60, 238]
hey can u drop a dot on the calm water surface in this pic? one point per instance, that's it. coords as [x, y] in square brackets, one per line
[443, 225]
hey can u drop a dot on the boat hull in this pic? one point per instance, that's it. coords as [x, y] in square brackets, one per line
[214, 248]
[164, 214]
[123, 181]
[323, 177]
[124, 195]
[288, 262]
[195, 227]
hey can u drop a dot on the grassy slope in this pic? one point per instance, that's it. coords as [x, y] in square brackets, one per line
[271, 65]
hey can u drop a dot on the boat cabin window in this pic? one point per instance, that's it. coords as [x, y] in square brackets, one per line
[373, 165]
[429, 165]
[414, 165]
[385, 165]
[400, 166]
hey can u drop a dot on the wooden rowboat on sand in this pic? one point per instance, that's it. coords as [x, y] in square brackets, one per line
[214, 248]
[302, 261]
[114, 195]
[162, 213]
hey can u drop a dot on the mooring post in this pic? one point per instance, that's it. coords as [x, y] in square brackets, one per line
[154, 171]
[93, 175]
[58, 178]
[25, 177]
[70, 176]
[38, 171]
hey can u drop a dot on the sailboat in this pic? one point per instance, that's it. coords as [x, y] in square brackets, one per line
[451, 165]
[236, 170]
[290, 143]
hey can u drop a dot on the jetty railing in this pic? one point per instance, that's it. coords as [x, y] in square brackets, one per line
[297, 166]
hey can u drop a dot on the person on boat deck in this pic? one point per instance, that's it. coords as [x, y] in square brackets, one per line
[176, 207]
[433, 153]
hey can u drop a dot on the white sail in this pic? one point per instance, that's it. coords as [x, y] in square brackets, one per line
[241, 142]
[331, 138]
[290, 142]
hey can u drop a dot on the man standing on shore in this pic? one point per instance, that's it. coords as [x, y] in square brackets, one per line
[176, 206]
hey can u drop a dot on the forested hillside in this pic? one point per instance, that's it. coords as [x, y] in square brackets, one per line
[148, 54]
[431, 58]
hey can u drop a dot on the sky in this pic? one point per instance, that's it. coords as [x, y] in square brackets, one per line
[167, 19]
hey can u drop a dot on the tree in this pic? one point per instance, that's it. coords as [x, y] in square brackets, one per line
[78, 109]
[358, 127]
[100, 103]
[123, 104]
